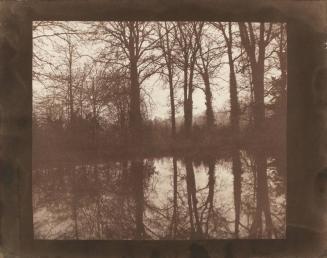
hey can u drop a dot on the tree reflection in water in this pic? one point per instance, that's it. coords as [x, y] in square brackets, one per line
[168, 198]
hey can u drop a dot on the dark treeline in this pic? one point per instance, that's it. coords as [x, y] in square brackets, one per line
[92, 83]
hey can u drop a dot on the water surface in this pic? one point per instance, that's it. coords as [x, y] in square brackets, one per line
[242, 196]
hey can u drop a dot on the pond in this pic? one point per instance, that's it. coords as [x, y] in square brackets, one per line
[168, 198]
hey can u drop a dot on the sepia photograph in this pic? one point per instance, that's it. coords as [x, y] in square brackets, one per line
[159, 130]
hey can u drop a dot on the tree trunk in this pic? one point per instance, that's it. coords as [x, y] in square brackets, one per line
[189, 49]
[191, 187]
[235, 126]
[211, 192]
[188, 165]
[172, 104]
[237, 184]
[137, 170]
[174, 220]
[257, 70]
[135, 108]
[282, 56]
[234, 114]
[70, 85]
[208, 96]
[262, 198]
[189, 121]
[167, 51]
[257, 65]
[187, 103]
[234, 103]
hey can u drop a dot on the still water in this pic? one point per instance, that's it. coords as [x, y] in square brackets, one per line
[161, 198]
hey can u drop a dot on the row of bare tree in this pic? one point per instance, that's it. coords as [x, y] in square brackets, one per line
[100, 71]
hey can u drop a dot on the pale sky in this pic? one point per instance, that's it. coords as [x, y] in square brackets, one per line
[160, 95]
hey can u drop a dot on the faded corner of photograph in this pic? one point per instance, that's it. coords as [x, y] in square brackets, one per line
[159, 130]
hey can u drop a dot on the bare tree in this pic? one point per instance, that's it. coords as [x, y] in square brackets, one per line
[255, 39]
[187, 34]
[208, 61]
[130, 44]
[229, 35]
[167, 43]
